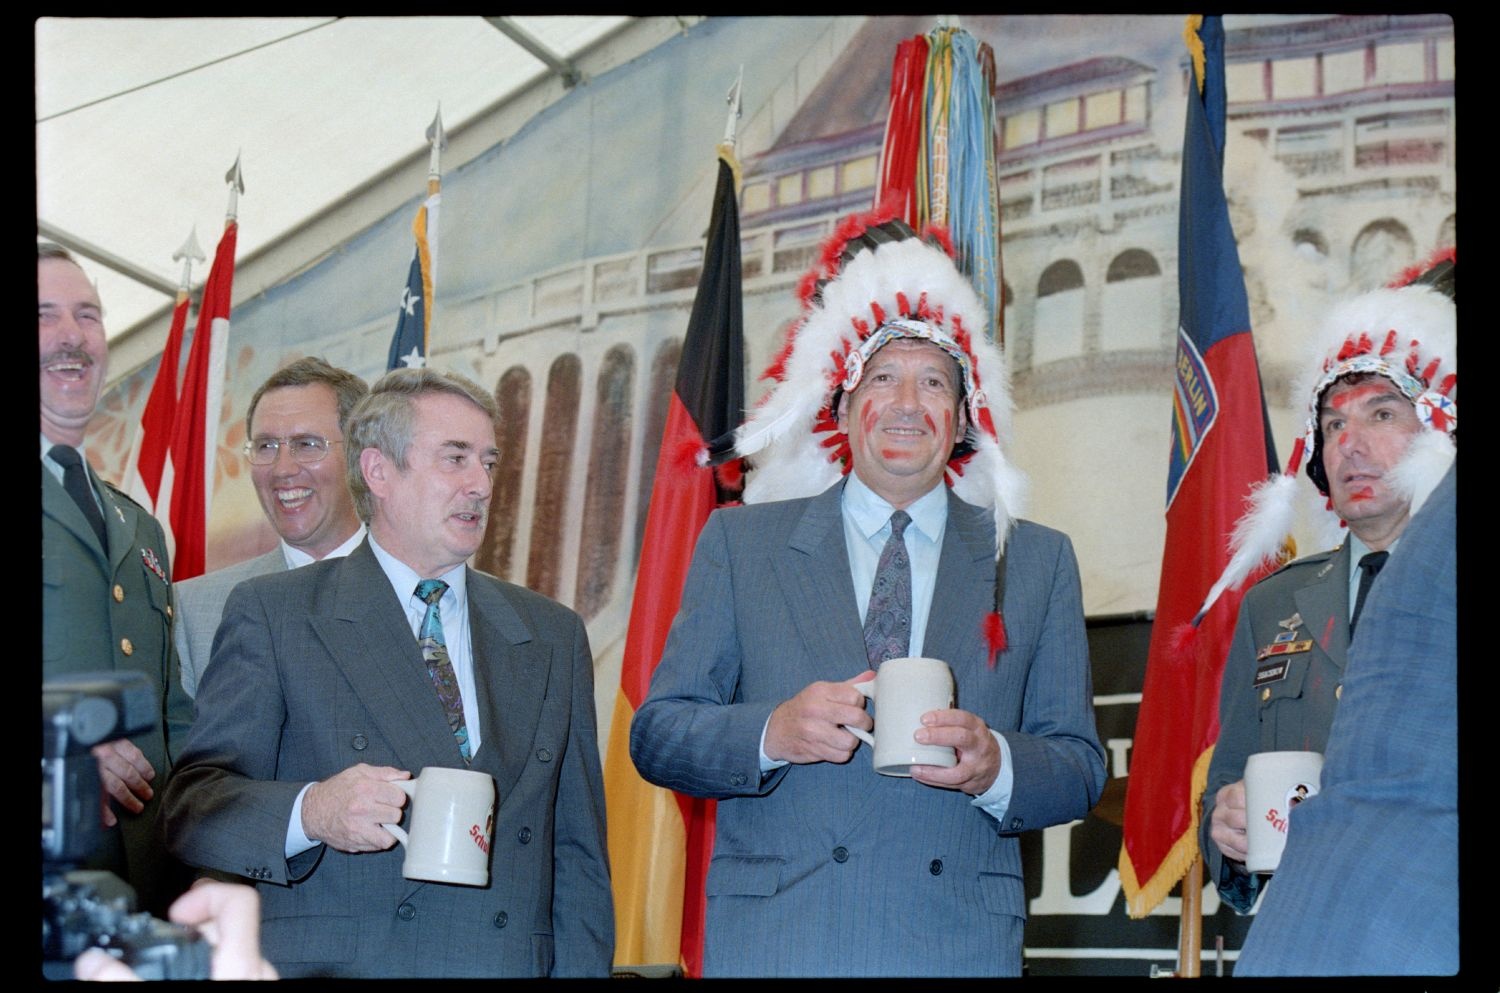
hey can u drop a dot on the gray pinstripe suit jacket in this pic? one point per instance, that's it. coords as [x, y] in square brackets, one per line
[831, 869]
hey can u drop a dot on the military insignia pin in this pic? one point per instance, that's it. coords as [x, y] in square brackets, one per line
[148, 555]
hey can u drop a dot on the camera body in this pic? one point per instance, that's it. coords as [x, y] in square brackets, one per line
[89, 909]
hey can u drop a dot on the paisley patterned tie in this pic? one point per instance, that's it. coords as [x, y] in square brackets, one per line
[439, 667]
[888, 617]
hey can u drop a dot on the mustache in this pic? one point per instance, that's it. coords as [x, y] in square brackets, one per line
[68, 355]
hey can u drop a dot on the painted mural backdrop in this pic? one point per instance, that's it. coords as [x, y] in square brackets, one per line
[570, 251]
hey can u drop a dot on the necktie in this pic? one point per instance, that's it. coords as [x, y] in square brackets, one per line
[1369, 568]
[76, 482]
[439, 667]
[888, 617]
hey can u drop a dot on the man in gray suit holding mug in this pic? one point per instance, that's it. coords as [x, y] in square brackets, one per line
[332, 682]
[853, 551]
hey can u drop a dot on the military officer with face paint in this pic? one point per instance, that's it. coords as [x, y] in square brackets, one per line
[1381, 390]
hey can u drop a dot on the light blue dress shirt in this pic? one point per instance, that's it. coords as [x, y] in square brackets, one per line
[867, 527]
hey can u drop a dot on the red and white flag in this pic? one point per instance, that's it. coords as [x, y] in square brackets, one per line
[187, 478]
[148, 454]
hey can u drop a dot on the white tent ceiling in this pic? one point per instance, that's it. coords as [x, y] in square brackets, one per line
[138, 121]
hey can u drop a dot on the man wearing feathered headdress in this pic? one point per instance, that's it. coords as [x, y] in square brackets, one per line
[1381, 389]
[879, 524]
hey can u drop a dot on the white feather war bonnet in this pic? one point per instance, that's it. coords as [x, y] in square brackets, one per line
[877, 280]
[1406, 332]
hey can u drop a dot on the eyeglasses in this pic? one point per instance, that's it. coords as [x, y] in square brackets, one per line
[305, 448]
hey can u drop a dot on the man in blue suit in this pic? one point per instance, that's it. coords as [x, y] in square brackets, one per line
[1368, 884]
[821, 866]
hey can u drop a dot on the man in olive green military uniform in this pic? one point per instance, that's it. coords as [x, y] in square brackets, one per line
[1381, 389]
[106, 590]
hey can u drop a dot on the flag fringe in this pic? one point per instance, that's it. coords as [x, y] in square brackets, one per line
[1142, 898]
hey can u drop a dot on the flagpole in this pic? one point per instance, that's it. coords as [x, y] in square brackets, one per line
[236, 181]
[438, 139]
[189, 253]
[1190, 924]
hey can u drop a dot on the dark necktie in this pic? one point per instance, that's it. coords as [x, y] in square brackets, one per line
[439, 667]
[888, 617]
[76, 482]
[1369, 568]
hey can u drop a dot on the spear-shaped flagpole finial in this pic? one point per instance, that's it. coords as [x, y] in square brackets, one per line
[438, 138]
[735, 102]
[236, 182]
[189, 253]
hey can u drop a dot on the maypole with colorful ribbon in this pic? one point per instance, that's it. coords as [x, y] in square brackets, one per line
[413, 332]
[938, 162]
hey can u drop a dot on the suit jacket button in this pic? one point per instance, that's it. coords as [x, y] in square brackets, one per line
[406, 911]
[524, 836]
[1015, 823]
[119, 592]
[738, 779]
[501, 919]
[360, 742]
[935, 867]
[841, 854]
[543, 755]
[126, 646]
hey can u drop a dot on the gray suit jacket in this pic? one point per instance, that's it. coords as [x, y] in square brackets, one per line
[315, 670]
[200, 607]
[1284, 702]
[831, 869]
[114, 612]
[1368, 884]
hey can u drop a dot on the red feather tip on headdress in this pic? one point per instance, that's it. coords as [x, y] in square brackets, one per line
[994, 634]
[731, 474]
[1449, 254]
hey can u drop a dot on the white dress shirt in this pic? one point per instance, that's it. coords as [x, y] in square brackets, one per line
[296, 558]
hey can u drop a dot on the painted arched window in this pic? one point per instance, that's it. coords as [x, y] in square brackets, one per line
[604, 496]
[554, 467]
[1130, 312]
[1058, 329]
[513, 394]
[1380, 252]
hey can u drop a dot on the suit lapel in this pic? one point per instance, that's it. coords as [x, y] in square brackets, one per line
[1324, 606]
[511, 672]
[965, 588]
[814, 571]
[369, 639]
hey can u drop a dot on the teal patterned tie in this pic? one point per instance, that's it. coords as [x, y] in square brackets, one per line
[439, 667]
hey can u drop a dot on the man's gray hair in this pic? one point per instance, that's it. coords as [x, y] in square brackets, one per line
[309, 371]
[384, 420]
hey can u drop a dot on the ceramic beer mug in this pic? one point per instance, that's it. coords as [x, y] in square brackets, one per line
[452, 818]
[903, 690]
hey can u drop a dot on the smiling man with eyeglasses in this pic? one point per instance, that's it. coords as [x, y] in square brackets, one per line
[295, 423]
